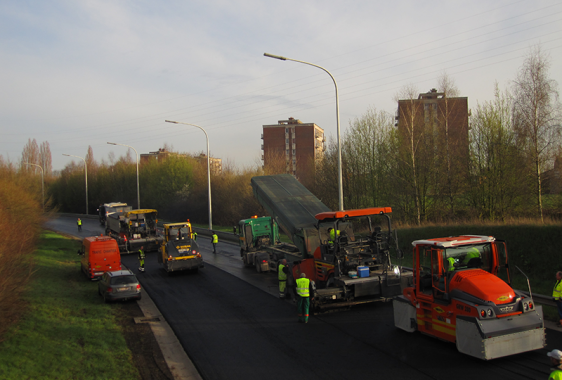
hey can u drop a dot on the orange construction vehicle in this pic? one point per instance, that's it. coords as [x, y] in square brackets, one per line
[462, 294]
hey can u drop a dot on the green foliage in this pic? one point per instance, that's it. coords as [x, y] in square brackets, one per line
[67, 332]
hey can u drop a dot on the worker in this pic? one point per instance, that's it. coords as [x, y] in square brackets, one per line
[556, 361]
[79, 223]
[215, 240]
[141, 259]
[194, 236]
[557, 296]
[451, 264]
[472, 253]
[282, 271]
[333, 234]
[304, 288]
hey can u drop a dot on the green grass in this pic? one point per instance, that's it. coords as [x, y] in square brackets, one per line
[67, 332]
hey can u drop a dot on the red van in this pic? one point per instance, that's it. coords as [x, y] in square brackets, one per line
[100, 254]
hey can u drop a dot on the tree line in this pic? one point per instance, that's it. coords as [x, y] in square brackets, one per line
[424, 174]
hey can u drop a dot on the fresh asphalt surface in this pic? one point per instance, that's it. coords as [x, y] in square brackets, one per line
[232, 325]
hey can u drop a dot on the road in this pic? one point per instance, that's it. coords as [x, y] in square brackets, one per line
[232, 326]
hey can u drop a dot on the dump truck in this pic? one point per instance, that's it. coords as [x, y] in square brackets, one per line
[109, 208]
[256, 234]
[134, 229]
[461, 293]
[346, 253]
[178, 250]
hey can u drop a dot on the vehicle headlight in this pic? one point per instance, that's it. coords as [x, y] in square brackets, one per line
[490, 312]
[397, 271]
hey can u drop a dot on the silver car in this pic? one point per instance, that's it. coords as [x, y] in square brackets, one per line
[119, 285]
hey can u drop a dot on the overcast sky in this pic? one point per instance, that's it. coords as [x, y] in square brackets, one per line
[83, 72]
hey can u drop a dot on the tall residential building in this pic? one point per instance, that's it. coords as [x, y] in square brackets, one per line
[433, 130]
[292, 147]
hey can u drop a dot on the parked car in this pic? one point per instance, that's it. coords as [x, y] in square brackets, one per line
[119, 285]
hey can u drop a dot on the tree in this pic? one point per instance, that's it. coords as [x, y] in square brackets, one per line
[30, 155]
[45, 159]
[411, 141]
[536, 111]
[495, 160]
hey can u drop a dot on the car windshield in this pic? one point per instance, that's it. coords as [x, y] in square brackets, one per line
[124, 280]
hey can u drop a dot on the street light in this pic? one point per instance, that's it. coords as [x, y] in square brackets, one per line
[340, 184]
[208, 168]
[42, 182]
[85, 176]
[137, 155]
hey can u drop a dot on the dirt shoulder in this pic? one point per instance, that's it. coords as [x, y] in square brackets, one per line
[147, 356]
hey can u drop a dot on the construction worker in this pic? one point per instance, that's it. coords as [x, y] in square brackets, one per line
[304, 288]
[472, 253]
[556, 361]
[282, 271]
[141, 259]
[333, 235]
[215, 240]
[451, 264]
[79, 223]
[557, 296]
[194, 236]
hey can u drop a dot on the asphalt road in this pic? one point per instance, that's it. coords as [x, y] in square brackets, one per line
[232, 325]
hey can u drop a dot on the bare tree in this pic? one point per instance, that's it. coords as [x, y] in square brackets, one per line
[30, 155]
[536, 112]
[45, 158]
[411, 138]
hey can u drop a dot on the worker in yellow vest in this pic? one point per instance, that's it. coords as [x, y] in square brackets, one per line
[557, 296]
[556, 361]
[215, 241]
[282, 271]
[79, 223]
[305, 288]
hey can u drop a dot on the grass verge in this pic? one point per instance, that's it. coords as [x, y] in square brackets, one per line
[66, 331]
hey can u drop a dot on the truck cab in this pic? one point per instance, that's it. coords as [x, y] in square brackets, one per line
[255, 235]
[461, 293]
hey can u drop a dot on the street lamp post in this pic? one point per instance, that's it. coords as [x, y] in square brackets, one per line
[340, 184]
[137, 156]
[42, 182]
[85, 176]
[208, 168]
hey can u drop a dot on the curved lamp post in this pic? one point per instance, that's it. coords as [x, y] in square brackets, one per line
[85, 176]
[137, 155]
[42, 182]
[208, 168]
[340, 184]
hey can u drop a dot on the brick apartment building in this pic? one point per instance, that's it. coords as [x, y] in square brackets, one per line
[292, 147]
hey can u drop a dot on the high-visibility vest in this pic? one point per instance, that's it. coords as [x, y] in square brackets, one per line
[333, 234]
[215, 239]
[303, 285]
[557, 291]
[555, 375]
[472, 253]
[195, 236]
[282, 275]
[451, 261]
[141, 254]
[79, 222]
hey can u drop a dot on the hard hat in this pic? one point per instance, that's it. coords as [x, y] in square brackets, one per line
[303, 275]
[555, 354]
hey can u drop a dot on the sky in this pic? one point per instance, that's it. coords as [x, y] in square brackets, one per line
[79, 73]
